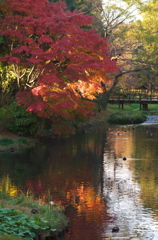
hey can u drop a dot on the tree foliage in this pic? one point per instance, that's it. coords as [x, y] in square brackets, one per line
[116, 17]
[132, 42]
[71, 5]
[58, 65]
[93, 8]
[145, 31]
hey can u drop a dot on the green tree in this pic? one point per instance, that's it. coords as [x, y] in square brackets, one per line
[146, 54]
[116, 20]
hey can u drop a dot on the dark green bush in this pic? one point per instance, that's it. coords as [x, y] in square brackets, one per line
[127, 118]
[22, 141]
[22, 122]
[6, 141]
[25, 123]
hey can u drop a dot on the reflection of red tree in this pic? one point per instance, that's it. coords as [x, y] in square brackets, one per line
[83, 206]
[36, 187]
[84, 198]
[88, 215]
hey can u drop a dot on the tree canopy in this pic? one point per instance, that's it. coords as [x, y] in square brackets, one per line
[60, 63]
[146, 32]
[59, 67]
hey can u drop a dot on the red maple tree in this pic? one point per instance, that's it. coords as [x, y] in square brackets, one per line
[59, 65]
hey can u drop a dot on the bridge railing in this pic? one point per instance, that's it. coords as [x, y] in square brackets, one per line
[136, 97]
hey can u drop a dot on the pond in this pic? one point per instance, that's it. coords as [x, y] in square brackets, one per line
[86, 174]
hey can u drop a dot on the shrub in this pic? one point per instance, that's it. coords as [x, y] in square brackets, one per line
[6, 141]
[21, 122]
[25, 123]
[23, 141]
[126, 118]
[4, 116]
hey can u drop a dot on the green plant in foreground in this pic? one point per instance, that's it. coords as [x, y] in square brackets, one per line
[16, 223]
[16, 218]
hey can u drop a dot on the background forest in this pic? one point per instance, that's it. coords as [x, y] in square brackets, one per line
[61, 60]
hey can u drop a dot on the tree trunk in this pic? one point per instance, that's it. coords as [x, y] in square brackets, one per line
[107, 94]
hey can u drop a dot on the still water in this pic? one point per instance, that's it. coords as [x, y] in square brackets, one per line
[86, 173]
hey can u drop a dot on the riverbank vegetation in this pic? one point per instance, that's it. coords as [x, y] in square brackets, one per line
[20, 131]
[131, 114]
[126, 118]
[23, 217]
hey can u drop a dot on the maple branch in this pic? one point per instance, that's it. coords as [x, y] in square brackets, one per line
[31, 80]
[28, 85]
[16, 70]
[30, 73]
[120, 74]
[23, 74]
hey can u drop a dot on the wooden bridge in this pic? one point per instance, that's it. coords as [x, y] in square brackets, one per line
[142, 99]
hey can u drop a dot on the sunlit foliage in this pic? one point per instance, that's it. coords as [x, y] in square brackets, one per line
[56, 62]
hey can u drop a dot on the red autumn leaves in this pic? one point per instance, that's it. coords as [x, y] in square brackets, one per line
[60, 64]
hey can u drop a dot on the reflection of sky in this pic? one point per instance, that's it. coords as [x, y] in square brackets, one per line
[122, 196]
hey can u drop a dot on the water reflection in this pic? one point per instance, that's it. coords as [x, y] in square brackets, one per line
[122, 195]
[123, 184]
[87, 175]
[7, 186]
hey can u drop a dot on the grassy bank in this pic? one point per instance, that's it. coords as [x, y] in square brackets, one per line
[25, 218]
[129, 117]
[10, 140]
[132, 107]
[130, 112]
[13, 143]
